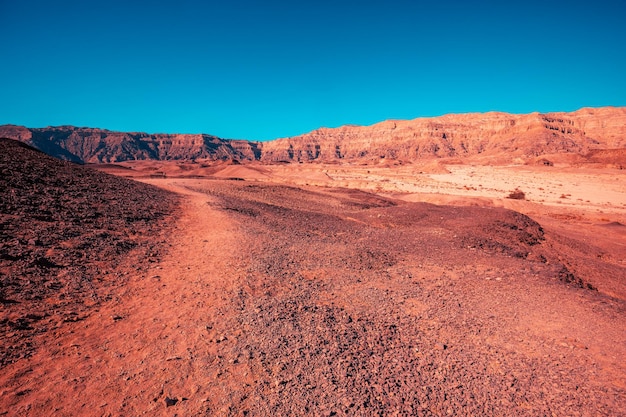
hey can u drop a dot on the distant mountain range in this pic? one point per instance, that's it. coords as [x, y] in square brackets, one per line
[492, 135]
[88, 145]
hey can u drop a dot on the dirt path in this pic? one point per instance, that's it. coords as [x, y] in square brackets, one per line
[155, 341]
[276, 300]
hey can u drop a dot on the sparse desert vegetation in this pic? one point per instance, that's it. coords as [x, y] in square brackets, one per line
[517, 194]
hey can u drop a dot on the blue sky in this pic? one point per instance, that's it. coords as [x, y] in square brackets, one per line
[260, 70]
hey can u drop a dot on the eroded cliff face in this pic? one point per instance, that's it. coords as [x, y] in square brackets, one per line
[461, 135]
[495, 135]
[97, 145]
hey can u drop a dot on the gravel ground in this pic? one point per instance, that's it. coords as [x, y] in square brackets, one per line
[349, 304]
[276, 300]
[64, 229]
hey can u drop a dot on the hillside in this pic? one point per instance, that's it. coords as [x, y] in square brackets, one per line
[496, 135]
[81, 144]
[63, 227]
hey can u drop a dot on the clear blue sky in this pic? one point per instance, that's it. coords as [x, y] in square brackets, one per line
[260, 70]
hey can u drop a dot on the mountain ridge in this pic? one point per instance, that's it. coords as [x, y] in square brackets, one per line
[457, 135]
[492, 134]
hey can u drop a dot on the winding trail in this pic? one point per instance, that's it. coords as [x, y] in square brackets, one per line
[154, 341]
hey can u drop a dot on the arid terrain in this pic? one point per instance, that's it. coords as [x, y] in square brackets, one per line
[432, 287]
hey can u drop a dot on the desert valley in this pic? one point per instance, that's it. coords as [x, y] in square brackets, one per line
[468, 264]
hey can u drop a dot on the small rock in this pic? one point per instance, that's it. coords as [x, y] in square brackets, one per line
[170, 401]
[116, 317]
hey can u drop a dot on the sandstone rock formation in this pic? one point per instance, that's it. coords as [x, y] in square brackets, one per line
[490, 134]
[494, 135]
[97, 145]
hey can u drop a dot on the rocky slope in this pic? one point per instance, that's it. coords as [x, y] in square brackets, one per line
[490, 134]
[63, 227]
[89, 145]
[495, 135]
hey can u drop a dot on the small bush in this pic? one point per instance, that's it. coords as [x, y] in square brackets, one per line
[517, 194]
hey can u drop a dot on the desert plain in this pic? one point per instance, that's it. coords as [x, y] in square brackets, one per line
[430, 288]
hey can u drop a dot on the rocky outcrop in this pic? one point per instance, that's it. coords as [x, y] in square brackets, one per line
[494, 135]
[98, 145]
[489, 134]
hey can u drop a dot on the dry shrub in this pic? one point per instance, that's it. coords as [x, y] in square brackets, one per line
[517, 194]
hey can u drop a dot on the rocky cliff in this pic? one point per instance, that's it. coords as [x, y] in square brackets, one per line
[492, 134]
[489, 134]
[97, 145]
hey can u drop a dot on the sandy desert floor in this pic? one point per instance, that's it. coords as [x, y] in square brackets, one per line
[586, 202]
[286, 290]
[598, 193]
